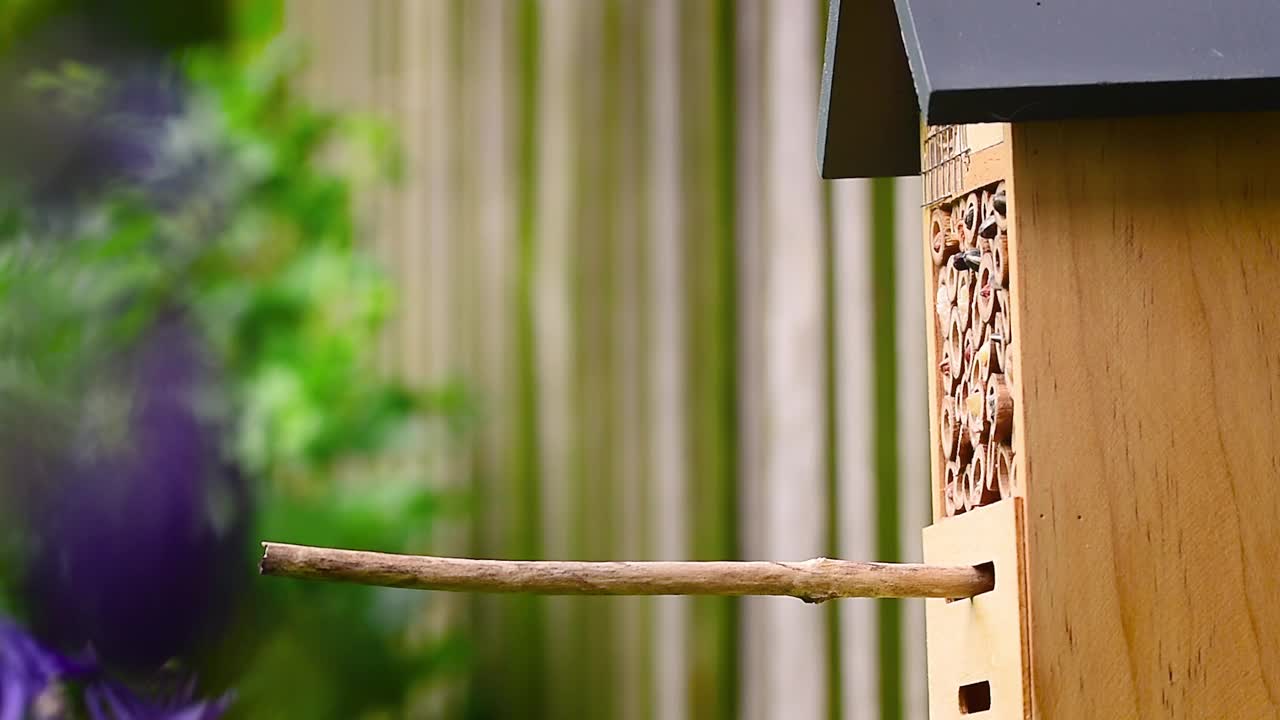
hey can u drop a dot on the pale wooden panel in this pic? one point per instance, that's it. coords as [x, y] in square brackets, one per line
[791, 638]
[914, 508]
[852, 300]
[980, 639]
[1147, 310]
[666, 376]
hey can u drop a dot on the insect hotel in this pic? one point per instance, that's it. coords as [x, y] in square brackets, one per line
[1101, 215]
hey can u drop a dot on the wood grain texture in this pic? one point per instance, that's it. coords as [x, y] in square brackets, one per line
[1147, 312]
[816, 580]
[982, 638]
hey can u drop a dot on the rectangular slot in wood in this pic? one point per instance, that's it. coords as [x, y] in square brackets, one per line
[975, 697]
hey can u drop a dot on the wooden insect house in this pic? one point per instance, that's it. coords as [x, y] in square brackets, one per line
[1101, 213]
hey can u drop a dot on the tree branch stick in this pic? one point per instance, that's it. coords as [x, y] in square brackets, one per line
[812, 580]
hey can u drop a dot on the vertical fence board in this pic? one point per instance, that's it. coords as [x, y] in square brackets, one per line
[855, 457]
[913, 429]
[751, 194]
[416, 60]
[387, 84]
[555, 174]
[630, 228]
[508, 674]
[792, 637]
[888, 535]
[706, 45]
[666, 377]
[593, 632]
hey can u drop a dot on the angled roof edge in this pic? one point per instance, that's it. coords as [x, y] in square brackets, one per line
[868, 121]
[1022, 60]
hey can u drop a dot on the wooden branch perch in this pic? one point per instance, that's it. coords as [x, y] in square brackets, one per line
[812, 580]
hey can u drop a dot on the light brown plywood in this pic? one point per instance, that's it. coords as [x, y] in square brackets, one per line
[1147, 316]
[986, 166]
[981, 639]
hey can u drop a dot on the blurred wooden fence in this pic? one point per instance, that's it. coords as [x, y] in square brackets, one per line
[686, 345]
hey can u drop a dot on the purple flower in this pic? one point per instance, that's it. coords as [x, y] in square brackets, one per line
[112, 701]
[135, 531]
[30, 672]
[27, 670]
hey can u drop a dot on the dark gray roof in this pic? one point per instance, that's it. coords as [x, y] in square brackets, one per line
[1016, 60]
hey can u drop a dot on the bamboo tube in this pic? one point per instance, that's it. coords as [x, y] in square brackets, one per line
[964, 439]
[1000, 259]
[951, 479]
[979, 495]
[969, 222]
[955, 339]
[999, 408]
[813, 580]
[985, 289]
[966, 487]
[1010, 367]
[997, 352]
[990, 459]
[950, 497]
[973, 364]
[988, 225]
[951, 281]
[1004, 470]
[1005, 326]
[942, 308]
[950, 428]
[944, 243]
[990, 355]
[975, 406]
[964, 297]
[944, 368]
[981, 241]
[1000, 203]
[982, 356]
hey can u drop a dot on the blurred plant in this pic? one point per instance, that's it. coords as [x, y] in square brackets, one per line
[186, 357]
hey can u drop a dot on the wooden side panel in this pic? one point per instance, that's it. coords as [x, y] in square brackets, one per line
[1148, 314]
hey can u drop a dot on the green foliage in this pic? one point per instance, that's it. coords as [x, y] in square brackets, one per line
[245, 222]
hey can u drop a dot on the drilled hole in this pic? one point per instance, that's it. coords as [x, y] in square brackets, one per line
[986, 567]
[975, 697]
